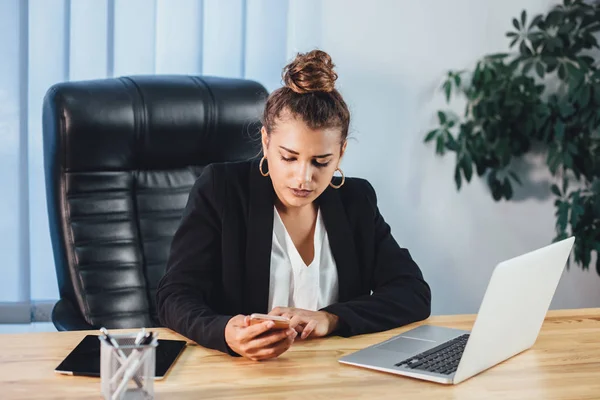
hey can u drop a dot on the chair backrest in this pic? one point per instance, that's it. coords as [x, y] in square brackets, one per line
[121, 156]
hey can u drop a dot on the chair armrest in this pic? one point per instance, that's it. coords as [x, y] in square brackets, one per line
[67, 318]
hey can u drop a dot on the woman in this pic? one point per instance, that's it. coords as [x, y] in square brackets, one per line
[282, 236]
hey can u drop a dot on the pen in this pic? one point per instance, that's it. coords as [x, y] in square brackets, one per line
[113, 342]
[140, 336]
[134, 362]
[122, 355]
[141, 339]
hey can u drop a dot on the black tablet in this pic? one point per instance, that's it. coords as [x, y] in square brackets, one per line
[84, 360]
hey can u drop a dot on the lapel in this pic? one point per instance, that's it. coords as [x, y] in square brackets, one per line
[341, 242]
[258, 243]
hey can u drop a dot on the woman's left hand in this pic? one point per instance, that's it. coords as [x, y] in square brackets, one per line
[308, 323]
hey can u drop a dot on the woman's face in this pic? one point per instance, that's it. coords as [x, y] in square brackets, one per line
[301, 161]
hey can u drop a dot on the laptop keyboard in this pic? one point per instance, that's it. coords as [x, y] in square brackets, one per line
[442, 359]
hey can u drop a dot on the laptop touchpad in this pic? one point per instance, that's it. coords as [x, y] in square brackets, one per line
[407, 345]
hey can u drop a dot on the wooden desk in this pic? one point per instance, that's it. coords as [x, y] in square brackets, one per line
[563, 364]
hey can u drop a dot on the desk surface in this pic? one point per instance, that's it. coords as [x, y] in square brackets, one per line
[563, 364]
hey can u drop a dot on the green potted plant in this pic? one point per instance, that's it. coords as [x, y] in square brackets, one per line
[545, 94]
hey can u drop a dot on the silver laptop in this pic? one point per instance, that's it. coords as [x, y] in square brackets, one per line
[509, 320]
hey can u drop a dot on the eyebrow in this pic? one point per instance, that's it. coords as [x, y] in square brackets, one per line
[296, 153]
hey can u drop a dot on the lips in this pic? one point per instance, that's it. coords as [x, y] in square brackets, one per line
[301, 192]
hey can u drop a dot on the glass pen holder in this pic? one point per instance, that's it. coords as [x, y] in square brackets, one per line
[127, 370]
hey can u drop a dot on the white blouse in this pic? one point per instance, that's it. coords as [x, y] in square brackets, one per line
[292, 282]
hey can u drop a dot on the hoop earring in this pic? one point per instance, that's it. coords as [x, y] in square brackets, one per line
[262, 160]
[343, 180]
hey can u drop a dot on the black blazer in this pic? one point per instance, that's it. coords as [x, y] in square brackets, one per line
[220, 257]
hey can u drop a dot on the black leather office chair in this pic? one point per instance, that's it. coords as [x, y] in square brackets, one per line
[120, 158]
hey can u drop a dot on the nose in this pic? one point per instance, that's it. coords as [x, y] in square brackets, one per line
[304, 173]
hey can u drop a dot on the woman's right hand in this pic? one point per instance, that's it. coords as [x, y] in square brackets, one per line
[257, 342]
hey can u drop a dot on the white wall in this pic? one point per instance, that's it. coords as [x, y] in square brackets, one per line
[391, 57]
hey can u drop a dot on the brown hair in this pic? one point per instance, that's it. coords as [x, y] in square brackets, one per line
[309, 93]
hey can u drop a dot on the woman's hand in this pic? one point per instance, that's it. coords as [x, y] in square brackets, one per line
[257, 342]
[308, 323]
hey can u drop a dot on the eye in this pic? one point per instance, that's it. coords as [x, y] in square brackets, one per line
[320, 165]
[286, 159]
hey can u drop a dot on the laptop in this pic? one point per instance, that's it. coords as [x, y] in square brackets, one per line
[508, 322]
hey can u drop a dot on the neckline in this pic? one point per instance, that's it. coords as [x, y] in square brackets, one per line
[293, 253]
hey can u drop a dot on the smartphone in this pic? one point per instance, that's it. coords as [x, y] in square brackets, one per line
[280, 322]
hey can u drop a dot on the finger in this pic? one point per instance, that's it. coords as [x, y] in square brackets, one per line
[273, 351]
[279, 311]
[271, 338]
[283, 346]
[253, 331]
[237, 320]
[298, 320]
[308, 329]
[246, 321]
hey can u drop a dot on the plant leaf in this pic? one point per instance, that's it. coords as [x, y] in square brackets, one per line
[553, 18]
[523, 18]
[565, 184]
[515, 177]
[536, 21]
[451, 143]
[584, 96]
[554, 188]
[507, 189]
[553, 159]
[467, 165]
[524, 49]
[457, 80]
[442, 117]
[566, 110]
[447, 90]
[574, 71]
[495, 186]
[516, 24]
[587, 59]
[597, 95]
[563, 216]
[539, 68]
[568, 160]
[562, 73]
[573, 149]
[431, 135]
[576, 209]
[457, 177]
[487, 76]
[593, 28]
[439, 145]
[559, 130]
[497, 56]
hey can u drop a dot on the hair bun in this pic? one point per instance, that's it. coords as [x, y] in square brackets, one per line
[310, 72]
